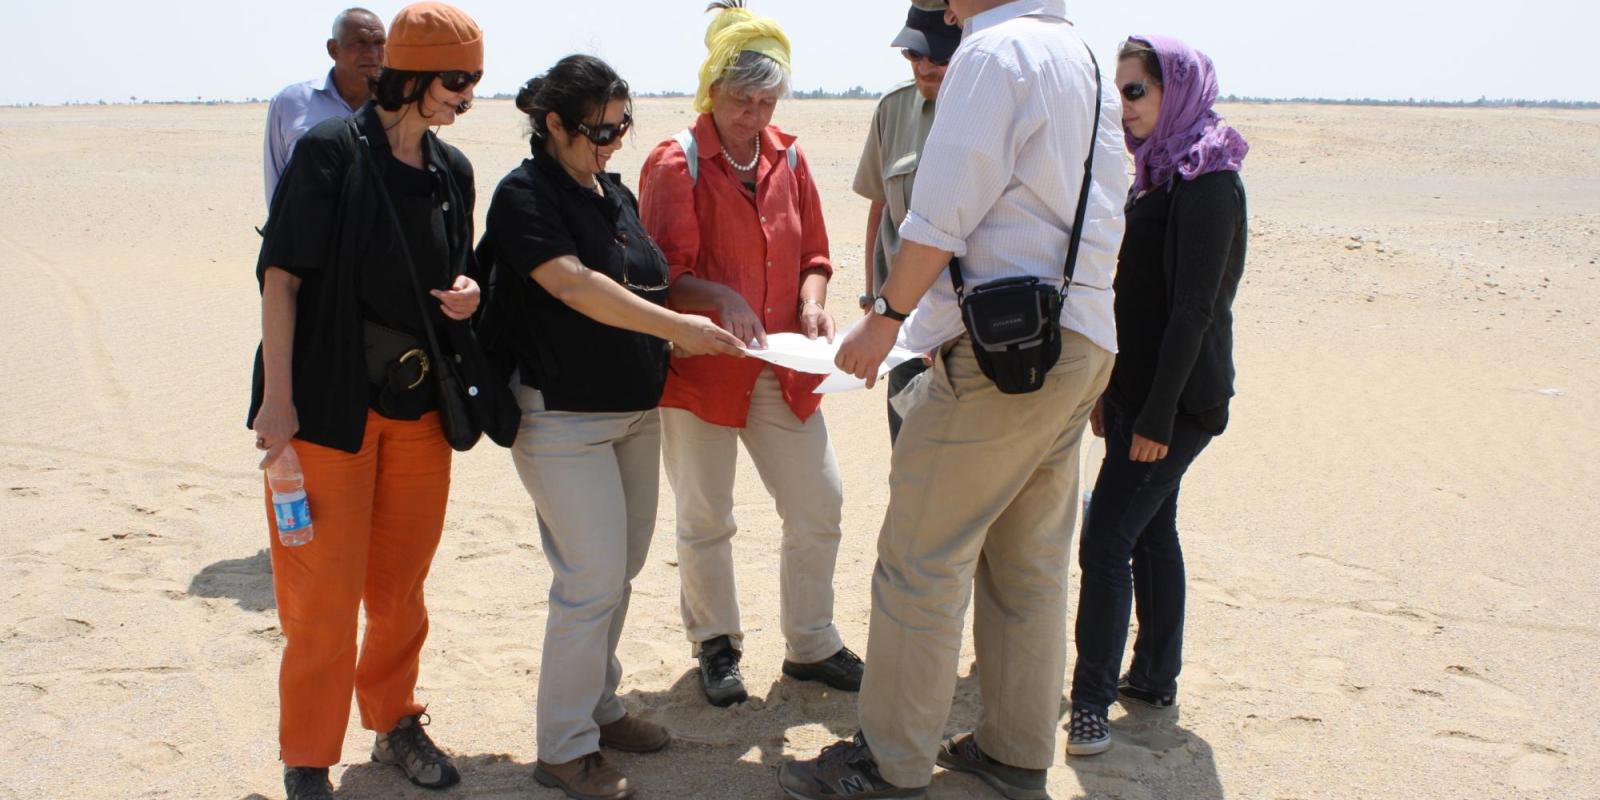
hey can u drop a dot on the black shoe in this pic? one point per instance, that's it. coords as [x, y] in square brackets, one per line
[409, 748]
[719, 672]
[961, 754]
[842, 670]
[307, 783]
[844, 771]
[1127, 691]
[1088, 734]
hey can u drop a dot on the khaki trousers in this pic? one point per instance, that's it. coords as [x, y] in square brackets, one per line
[983, 490]
[594, 480]
[797, 465]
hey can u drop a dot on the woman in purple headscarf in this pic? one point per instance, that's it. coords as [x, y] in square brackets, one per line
[1179, 268]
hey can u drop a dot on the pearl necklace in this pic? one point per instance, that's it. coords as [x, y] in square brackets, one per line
[750, 167]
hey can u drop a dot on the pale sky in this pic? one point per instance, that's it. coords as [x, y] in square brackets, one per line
[184, 49]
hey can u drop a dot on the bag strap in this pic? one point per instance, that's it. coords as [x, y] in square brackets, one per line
[1076, 236]
[364, 147]
[691, 151]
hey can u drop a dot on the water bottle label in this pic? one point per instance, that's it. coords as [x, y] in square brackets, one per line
[292, 511]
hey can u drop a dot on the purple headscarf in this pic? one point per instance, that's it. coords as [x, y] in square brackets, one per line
[1190, 139]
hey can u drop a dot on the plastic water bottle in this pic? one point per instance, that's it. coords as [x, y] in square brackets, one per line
[289, 504]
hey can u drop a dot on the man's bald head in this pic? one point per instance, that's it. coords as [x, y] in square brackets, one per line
[356, 47]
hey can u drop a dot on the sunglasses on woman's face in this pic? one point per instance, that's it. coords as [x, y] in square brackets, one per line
[1134, 92]
[914, 56]
[456, 80]
[603, 135]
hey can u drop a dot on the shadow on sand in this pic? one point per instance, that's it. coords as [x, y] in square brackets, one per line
[247, 581]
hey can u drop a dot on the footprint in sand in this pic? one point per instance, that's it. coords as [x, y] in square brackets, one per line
[1355, 571]
[48, 629]
[1211, 592]
[1490, 696]
[1528, 766]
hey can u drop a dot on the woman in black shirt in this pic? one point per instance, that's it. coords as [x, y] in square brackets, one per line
[1181, 260]
[579, 306]
[336, 297]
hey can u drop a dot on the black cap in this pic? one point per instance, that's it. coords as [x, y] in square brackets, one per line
[927, 33]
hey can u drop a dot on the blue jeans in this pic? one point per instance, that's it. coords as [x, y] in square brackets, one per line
[1130, 556]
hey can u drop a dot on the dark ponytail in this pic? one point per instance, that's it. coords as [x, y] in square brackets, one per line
[575, 89]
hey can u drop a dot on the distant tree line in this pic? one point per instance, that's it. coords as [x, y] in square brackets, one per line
[1481, 102]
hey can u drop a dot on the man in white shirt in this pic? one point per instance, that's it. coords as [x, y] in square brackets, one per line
[983, 485]
[357, 52]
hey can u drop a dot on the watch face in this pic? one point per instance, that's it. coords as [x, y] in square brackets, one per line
[880, 306]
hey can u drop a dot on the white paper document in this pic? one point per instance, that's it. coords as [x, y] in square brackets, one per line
[815, 356]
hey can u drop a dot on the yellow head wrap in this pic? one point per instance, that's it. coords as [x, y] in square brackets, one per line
[735, 30]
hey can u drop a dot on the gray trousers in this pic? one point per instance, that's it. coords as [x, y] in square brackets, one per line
[594, 482]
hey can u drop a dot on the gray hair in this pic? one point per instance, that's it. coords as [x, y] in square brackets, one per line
[344, 18]
[754, 72]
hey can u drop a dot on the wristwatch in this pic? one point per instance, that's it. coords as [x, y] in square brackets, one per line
[881, 307]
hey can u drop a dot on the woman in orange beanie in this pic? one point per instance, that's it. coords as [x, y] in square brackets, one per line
[343, 371]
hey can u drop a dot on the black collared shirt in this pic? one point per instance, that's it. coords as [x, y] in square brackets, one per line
[540, 213]
[329, 227]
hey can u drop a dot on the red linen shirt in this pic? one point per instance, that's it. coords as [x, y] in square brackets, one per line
[759, 244]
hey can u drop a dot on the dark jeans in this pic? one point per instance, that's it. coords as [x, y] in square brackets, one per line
[898, 378]
[1130, 555]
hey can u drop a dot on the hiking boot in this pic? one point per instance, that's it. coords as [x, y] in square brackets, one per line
[1127, 691]
[843, 771]
[719, 672]
[962, 754]
[586, 778]
[307, 783]
[409, 748]
[633, 735]
[1088, 734]
[842, 670]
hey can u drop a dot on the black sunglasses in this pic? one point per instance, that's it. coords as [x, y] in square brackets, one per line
[1134, 92]
[603, 135]
[456, 80]
[914, 56]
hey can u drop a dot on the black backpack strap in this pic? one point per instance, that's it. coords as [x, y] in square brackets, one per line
[1083, 193]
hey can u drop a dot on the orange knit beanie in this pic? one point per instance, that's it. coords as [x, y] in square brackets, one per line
[433, 37]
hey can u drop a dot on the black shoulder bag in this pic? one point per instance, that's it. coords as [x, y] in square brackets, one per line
[1015, 322]
[461, 429]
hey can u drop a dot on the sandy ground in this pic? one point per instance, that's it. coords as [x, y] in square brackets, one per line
[1392, 552]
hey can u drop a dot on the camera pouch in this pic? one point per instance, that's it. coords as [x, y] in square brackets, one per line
[1015, 330]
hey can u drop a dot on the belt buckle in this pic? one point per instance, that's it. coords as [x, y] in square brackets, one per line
[422, 373]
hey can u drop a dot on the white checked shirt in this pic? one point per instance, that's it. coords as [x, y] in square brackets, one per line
[1000, 175]
[295, 110]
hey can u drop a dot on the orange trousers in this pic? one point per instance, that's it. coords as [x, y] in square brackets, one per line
[378, 515]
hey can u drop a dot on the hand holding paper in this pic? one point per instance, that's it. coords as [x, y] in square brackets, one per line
[816, 356]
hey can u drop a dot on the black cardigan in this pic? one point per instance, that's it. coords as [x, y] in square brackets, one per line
[1177, 275]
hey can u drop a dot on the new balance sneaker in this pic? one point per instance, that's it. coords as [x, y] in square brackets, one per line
[1088, 734]
[586, 778]
[962, 754]
[842, 670]
[844, 770]
[719, 672]
[1126, 691]
[307, 783]
[409, 748]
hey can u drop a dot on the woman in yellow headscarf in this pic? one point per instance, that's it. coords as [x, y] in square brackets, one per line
[732, 204]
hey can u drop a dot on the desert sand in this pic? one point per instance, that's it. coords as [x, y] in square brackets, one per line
[1391, 552]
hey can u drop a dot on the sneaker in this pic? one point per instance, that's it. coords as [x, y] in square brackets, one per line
[1088, 734]
[307, 783]
[961, 754]
[585, 778]
[409, 748]
[842, 670]
[843, 771]
[1127, 691]
[633, 735]
[719, 672]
